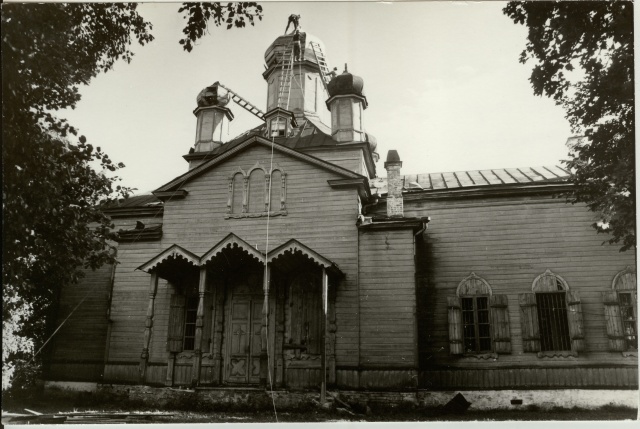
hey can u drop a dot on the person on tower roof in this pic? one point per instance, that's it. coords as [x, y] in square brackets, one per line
[295, 20]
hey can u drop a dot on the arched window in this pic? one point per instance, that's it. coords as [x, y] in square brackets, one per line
[257, 186]
[551, 316]
[621, 311]
[478, 319]
[237, 193]
[277, 191]
[249, 193]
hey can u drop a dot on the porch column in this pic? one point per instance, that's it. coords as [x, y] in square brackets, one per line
[195, 379]
[264, 358]
[144, 357]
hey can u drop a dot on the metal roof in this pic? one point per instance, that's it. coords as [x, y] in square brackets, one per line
[475, 178]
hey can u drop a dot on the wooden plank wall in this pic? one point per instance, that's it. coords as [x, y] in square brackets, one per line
[524, 378]
[388, 334]
[78, 348]
[131, 295]
[352, 160]
[509, 241]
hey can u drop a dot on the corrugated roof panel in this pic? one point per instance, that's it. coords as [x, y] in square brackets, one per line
[424, 181]
[477, 178]
[491, 177]
[517, 174]
[560, 172]
[531, 174]
[437, 181]
[464, 178]
[450, 180]
[504, 176]
[544, 173]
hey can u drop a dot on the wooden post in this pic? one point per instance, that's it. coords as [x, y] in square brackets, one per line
[217, 330]
[278, 349]
[264, 359]
[325, 308]
[331, 334]
[195, 379]
[144, 357]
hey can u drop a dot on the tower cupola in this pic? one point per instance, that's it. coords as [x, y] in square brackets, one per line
[212, 115]
[346, 103]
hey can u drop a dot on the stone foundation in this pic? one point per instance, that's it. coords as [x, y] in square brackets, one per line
[227, 398]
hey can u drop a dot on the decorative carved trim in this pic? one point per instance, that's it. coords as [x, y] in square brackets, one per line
[481, 356]
[174, 251]
[231, 241]
[631, 354]
[294, 246]
[252, 215]
[474, 276]
[257, 166]
[618, 276]
[558, 354]
[548, 272]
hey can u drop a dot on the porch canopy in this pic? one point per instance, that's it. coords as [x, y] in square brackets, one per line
[172, 264]
[294, 254]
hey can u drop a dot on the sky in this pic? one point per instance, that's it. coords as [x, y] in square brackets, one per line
[443, 81]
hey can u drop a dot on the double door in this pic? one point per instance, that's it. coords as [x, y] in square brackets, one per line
[244, 339]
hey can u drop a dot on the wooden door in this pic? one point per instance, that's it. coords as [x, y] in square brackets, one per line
[244, 340]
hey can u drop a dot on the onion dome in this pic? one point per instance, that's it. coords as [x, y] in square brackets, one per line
[346, 84]
[373, 142]
[275, 51]
[211, 96]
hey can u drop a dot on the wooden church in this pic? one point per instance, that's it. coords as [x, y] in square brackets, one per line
[281, 258]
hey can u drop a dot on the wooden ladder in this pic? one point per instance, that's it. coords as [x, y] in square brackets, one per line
[286, 78]
[242, 102]
[322, 62]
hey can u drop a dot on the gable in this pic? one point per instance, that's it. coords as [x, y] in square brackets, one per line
[180, 181]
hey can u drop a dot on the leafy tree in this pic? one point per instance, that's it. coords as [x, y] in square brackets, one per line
[583, 58]
[199, 14]
[54, 181]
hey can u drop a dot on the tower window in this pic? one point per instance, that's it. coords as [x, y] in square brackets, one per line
[278, 127]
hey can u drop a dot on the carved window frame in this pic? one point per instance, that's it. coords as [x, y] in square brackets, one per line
[281, 210]
[484, 293]
[627, 301]
[554, 306]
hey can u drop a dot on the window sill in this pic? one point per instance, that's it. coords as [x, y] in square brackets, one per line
[252, 215]
[558, 354]
[630, 353]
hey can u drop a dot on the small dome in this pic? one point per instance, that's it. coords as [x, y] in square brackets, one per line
[373, 142]
[274, 52]
[211, 96]
[346, 84]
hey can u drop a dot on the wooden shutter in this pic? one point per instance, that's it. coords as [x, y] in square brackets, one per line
[529, 321]
[615, 331]
[576, 326]
[456, 346]
[500, 323]
[176, 323]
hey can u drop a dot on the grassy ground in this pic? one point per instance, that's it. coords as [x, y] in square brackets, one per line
[52, 403]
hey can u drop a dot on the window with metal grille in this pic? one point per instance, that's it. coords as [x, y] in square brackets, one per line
[554, 325]
[476, 325]
[191, 312]
[629, 322]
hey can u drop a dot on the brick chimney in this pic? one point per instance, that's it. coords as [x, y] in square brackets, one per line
[395, 205]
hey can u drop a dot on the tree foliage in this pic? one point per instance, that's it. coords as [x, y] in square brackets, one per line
[54, 181]
[198, 15]
[582, 55]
